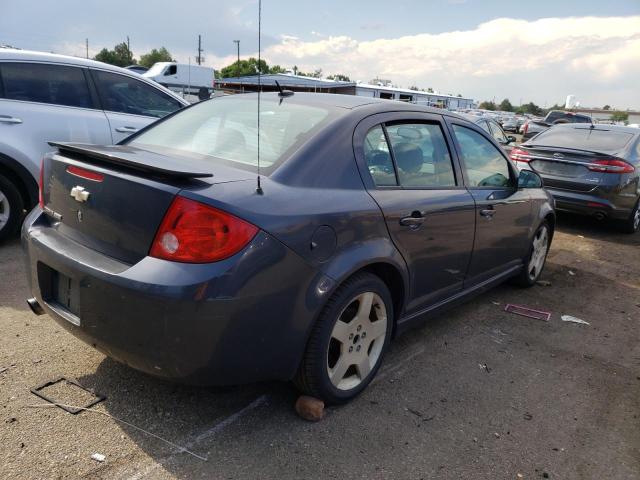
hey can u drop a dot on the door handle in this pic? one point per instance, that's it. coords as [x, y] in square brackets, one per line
[126, 129]
[414, 220]
[8, 119]
[488, 213]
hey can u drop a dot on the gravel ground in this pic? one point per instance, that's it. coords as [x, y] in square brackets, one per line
[475, 393]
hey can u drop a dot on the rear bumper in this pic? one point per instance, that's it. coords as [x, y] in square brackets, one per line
[240, 320]
[592, 204]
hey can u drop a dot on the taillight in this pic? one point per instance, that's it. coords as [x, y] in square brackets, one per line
[41, 185]
[520, 155]
[193, 232]
[610, 166]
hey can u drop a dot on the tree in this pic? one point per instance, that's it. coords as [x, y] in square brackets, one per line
[415, 88]
[459, 95]
[246, 68]
[429, 90]
[530, 108]
[487, 106]
[120, 56]
[607, 107]
[339, 77]
[619, 116]
[155, 56]
[505, 106]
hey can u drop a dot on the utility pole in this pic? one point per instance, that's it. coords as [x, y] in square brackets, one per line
[199, 57]
[237, 42]
[87, 45]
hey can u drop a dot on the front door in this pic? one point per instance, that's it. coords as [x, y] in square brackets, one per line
[503, 213]
[429, 214]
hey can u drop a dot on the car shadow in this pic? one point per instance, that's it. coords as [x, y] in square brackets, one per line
[597, 229]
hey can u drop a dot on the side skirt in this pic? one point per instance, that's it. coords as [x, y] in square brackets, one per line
[409, 321]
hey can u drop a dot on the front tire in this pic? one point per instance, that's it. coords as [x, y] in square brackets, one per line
[534, 263]
[348, 342]
[11, 208]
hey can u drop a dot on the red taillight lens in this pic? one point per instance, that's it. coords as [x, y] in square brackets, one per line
[610, 166]
[520, 155]
[84, 173]
[41, 185]
[193, 232]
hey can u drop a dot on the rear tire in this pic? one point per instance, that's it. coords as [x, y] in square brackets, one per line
[11, 208]
[632, 224]
[535, 260]
[348, 341]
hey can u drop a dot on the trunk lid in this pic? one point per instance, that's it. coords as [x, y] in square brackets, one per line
[113, 198]
[566, 169]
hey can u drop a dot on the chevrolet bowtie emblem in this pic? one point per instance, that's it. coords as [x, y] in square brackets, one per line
[79, 194]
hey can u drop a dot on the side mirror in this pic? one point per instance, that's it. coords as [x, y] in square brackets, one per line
[529, 179]
[511, 139]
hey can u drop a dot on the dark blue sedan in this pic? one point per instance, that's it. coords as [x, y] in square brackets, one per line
[167, 254]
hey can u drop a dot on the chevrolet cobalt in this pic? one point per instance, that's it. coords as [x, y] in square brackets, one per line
[287, 236]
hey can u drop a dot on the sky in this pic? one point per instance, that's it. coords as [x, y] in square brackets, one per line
[539, 51]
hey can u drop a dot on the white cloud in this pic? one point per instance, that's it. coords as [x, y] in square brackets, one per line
[595, 58]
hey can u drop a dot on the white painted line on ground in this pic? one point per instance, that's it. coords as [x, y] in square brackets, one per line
[208, 433]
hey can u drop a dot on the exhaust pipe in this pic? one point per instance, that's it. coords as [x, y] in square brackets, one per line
[35, 306]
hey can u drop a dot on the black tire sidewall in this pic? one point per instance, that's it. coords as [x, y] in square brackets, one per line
[360, 284]
[16, 207]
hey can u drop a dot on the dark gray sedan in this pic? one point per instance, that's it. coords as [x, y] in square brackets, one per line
[590, 169]
[165, 252]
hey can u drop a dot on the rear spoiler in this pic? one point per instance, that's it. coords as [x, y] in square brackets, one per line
[134, 158]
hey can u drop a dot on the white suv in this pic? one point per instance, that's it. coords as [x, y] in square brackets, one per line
[46, 97]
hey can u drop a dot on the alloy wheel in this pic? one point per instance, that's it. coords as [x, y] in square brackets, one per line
[636, 218]
[356, 341]
[539, 252]
[5, 210]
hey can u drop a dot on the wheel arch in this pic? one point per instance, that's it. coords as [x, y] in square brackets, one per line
[21, 178]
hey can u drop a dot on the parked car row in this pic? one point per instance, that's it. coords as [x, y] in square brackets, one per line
[46, 97]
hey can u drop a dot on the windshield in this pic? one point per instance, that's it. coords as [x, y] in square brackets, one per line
[156, 69]
[226, 130]
[582, 138]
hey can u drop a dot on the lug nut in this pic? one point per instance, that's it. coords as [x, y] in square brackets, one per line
[364, 335]
[358, 348]
[351, 336]
[350, 349]
[359, 327]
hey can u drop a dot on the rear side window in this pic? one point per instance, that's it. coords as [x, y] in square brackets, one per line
[484, 164]
[123, 94]
[43, 83]
[421, 155]
[584, 138]
[497, 133]
[376, 153]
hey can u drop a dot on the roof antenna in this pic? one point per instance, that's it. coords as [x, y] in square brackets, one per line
[258, 186]
[283, 93]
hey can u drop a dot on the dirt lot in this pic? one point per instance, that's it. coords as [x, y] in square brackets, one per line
[477, 393]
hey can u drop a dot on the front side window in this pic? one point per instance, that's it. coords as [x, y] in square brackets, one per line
[123, 94]
[44, 83]
[225, 131]
[497, 133]
[421, 155]
[483, 163]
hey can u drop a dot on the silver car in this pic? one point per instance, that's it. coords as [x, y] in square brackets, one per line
[46, 97]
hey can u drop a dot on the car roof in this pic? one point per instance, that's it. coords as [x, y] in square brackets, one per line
[33, 56]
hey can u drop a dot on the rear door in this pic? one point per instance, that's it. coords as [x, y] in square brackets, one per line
[409, 170]
[42, 102]
[503, 212]
[129, 103]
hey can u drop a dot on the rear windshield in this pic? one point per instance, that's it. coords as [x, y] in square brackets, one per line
[583, 139]
[225, 130]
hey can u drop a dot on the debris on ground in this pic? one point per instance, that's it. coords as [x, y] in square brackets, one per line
[572, 319]
[415, 412]
[98, 457]
[497, 435]
[310, 408]
[68, 385]
[572, 273]
[528, 312]
[543, 283]
[495, 303]
[484, 366]
[528, 416]
[3, 369]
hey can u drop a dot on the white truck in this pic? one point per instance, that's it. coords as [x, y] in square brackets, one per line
[184, 78]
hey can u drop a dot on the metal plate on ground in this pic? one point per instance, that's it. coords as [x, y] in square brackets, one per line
[70, 389]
